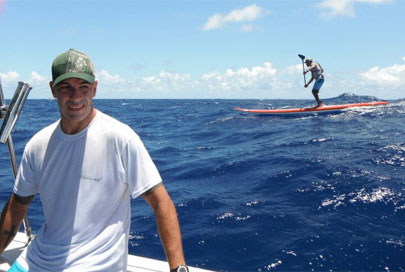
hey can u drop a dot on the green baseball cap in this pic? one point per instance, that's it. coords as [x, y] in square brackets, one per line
[72, 64]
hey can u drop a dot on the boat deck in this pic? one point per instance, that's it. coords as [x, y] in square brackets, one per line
[135, 263]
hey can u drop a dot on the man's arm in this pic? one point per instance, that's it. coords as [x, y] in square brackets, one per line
[312, 78]
[311, 67]
[13, 214]
[167, 224]
[309, 82]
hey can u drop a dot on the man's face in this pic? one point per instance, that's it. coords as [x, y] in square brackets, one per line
[75, 99]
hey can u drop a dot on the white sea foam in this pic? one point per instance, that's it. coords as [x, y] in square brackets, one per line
[221, 120]
[273, 265]
[252, 203]
[395, 155]
[381, 194]
[320, 140]
[395, 242]
[242, 218]
[290, 252]
[225, 215]
[336, 201]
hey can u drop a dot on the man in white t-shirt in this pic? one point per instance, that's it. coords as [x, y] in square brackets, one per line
[86, 167]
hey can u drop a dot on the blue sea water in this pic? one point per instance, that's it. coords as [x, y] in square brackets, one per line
[317, 192]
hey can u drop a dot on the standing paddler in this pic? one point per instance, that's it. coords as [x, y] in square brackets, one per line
[316, 74]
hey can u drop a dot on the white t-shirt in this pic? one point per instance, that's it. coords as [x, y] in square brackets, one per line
[85, 182]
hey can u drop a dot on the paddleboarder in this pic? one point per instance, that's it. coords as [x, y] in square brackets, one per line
[317, 75]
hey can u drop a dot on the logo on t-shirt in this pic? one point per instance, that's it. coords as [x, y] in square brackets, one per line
[85, 177]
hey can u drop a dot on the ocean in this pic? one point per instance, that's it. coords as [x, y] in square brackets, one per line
[317, 192]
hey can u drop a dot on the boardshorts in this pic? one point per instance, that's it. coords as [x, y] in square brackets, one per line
[318, 84]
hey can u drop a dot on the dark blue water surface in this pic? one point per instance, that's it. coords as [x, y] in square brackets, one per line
[318, 192]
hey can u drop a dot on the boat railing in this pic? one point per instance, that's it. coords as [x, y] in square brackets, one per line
[9, 114]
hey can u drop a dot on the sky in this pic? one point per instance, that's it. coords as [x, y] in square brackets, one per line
[195, 49]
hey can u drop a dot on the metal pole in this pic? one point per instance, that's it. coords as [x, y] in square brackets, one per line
[2, 101]
[14, 110]
[27, 227]
[11, 114]
[8, 120]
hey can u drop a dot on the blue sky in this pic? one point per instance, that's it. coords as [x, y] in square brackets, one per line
[208, 48]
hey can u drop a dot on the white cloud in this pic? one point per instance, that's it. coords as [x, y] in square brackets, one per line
[39, 83]
[257, 77]
[265, 81]
[258, 81]
[334, 8]
[295, 69]
[247, 14]
[393, 76]
[106, 78]
[36, 79]
[10, 76]
[169, 84]
[166, 81]
[337, 7]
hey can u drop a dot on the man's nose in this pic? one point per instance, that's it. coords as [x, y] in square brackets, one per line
[75, 93]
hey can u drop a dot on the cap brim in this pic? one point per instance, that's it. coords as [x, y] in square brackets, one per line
[86, 77]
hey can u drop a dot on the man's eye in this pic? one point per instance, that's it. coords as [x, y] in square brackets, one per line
[64, 88]
[84, 87]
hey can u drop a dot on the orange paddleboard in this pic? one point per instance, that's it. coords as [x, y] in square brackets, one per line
[314, 110]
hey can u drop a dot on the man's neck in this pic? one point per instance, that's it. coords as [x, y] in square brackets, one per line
[71, 127]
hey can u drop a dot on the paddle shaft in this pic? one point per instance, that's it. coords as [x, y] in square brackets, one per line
[302, 57]
[303, 70]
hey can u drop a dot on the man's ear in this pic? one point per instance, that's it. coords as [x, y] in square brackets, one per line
[95, 87]
[52, 88]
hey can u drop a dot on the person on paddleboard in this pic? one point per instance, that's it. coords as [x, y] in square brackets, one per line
[317, 75]
[86, 167]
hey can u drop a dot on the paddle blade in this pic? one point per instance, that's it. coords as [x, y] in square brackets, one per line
[301, 56]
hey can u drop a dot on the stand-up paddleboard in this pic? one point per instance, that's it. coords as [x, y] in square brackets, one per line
[330, 108]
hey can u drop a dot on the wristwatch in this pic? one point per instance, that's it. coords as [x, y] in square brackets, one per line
[180, 268]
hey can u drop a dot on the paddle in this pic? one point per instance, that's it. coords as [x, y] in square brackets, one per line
[302, 57]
